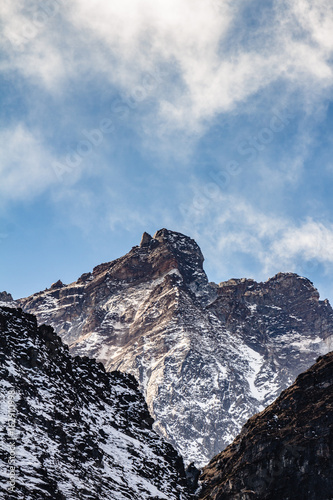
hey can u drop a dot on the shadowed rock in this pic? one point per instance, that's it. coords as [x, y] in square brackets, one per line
[284, 452]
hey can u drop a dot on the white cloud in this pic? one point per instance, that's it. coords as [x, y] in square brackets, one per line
[196, 48]
[234, 235]
[309, 240]
[26, 165]
[196, 40]
[317, 19]
[201, 56]
[32, 41]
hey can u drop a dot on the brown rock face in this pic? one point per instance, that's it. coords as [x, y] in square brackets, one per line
[284, 452]
[168, 252]
[206, 356]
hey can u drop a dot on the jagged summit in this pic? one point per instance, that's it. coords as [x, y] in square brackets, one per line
[57, 284]
[168, 236]
[289, 278]
[7, 300]
[188, 258]
[5, 297]
[187, 254]
[165, 251]
[206, 356]
[145, 240]
[179, 242]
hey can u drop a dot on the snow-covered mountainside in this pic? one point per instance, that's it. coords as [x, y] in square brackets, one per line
[206, 356]
[70, 430]
[284, 452]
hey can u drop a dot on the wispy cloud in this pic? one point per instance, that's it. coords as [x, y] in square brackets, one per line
[24, 164]
[243, 240]
[206, 66]
[309, 240]
[32, 41]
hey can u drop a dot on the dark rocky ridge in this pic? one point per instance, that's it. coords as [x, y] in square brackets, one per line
[276, 317]
[5, 297]
[206, 356]
[79, 432]
[284, 452]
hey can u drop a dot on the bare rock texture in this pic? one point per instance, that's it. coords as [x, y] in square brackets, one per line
[71, 431]
[6, 300]
[284, 452]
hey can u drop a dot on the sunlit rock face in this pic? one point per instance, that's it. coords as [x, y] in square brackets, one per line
[72, 431]
[206, 356]
[284, 452]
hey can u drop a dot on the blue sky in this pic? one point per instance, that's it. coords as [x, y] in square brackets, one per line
[208, 118]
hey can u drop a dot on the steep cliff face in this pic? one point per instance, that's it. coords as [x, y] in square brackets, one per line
[70, 430]
[283, 323]
[206, 356]
[284, 452]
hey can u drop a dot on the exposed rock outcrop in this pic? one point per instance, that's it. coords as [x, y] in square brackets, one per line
[284, 452]
[6, 299]
[70, 430]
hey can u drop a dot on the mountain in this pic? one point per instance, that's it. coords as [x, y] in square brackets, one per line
[72, 431]
[207, 356]
[284, 452]
[6, 300]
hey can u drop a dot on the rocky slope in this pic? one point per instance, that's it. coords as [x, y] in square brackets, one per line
[72, 431]
[6, 300]
[284, 452]
[207, 356]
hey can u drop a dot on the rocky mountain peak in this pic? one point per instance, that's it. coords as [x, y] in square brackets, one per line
[201, 352]
[145, 240]
[292, 283]
[187, 255]
[179, 241]
[5, 297]
[57, 284]
[181, 246]
[282, 283]
[167, 252]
